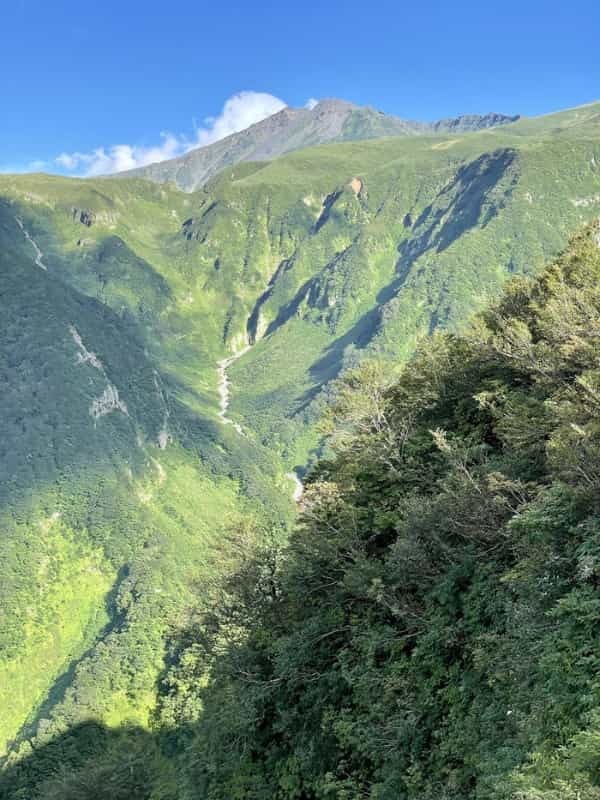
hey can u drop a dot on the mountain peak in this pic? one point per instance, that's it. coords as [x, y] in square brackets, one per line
[330, 105]
[330, 120]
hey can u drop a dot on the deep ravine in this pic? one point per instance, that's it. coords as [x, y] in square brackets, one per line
[224, 391]
[38, 253]
[298, 486]
[224, 402]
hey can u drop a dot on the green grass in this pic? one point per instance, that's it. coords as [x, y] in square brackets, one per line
[54, 627]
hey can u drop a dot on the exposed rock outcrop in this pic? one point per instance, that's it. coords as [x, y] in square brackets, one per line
[83, 216]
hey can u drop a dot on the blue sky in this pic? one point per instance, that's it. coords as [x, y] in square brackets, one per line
[81, 77]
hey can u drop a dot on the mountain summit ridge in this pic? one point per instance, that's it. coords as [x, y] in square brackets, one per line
[330, 120]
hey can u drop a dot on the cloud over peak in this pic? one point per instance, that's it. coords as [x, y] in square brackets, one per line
[238, 112]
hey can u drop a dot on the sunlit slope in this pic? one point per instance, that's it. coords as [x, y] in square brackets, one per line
[371, 245]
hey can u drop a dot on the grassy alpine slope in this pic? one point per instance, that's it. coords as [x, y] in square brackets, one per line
[371, 245]
[125, 502]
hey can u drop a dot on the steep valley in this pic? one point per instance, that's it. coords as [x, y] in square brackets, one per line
[167, 358]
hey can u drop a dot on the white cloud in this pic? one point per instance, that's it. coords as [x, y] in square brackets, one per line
[311, 103]
[119, 157]
[239, 112]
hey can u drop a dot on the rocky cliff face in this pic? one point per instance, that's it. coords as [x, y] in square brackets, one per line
[471, 122]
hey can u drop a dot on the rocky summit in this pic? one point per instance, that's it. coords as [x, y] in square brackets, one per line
[291, 129]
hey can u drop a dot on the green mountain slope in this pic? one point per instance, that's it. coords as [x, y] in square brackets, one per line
[123, 490]
[432, 630]
[372, 245]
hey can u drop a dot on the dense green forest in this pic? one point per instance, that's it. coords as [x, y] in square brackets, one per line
[431, 629]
